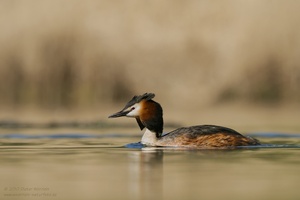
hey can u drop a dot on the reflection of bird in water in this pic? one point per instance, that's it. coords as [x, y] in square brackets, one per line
[148, 114]
[146, 173]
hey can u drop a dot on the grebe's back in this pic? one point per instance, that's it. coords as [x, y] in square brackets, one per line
[206, 136]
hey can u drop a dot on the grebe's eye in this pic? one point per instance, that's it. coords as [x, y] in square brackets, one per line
[132, 108]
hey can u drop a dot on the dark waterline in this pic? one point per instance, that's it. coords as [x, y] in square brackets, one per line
[269, 140]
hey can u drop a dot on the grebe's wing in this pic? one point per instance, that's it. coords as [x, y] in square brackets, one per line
[207, 136]
[195, 131]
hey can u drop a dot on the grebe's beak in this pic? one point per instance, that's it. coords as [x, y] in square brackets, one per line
[121, 113]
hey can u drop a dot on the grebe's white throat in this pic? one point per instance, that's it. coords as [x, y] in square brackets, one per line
[149, 138]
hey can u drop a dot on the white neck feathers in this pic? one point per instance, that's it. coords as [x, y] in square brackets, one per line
[149, 138]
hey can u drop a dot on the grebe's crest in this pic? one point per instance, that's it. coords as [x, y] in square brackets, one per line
[138, 99]
[133, 107]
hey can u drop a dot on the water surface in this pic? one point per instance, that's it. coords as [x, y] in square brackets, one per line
[101, 166]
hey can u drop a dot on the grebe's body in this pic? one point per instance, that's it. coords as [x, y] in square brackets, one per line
[148, 114]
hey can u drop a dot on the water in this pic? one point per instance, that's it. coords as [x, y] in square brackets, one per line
[98, 166]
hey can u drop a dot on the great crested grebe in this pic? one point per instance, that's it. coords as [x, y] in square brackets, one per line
[149, 115]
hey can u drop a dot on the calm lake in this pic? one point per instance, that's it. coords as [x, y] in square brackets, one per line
[90, 165]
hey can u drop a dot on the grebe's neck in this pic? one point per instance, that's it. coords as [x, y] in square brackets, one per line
[149, 138]
[152, 118]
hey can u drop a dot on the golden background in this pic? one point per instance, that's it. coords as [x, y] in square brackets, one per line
[229, 62]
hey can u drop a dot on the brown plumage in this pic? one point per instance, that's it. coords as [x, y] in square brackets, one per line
[206, 136]
[149, 115]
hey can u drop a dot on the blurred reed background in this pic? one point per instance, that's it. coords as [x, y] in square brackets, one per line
[92, 56]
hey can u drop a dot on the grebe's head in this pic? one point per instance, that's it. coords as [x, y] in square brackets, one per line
[147, 112]
[135, 106]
